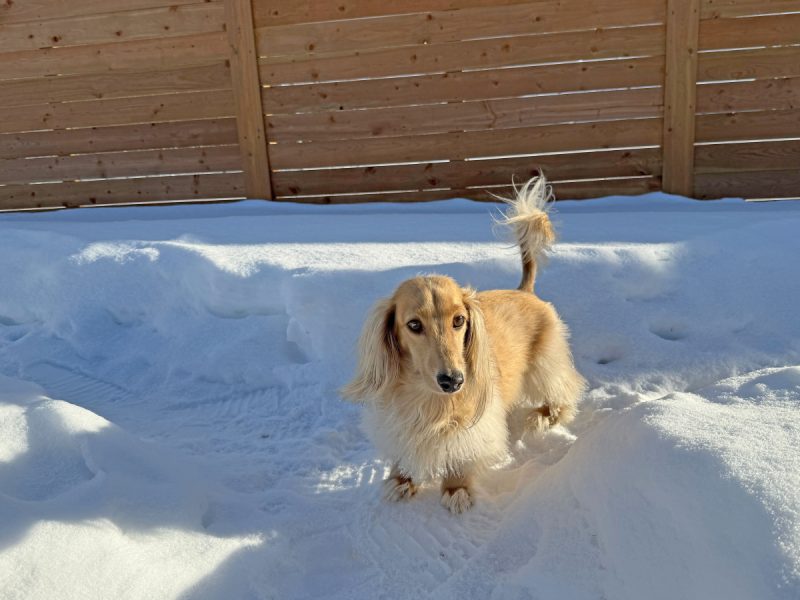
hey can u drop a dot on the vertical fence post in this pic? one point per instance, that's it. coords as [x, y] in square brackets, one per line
[247, 96]
[680, 91]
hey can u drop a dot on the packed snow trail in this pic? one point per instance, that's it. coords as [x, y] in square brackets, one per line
[182, 436]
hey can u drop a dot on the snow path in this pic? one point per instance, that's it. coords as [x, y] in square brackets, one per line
[197, 448]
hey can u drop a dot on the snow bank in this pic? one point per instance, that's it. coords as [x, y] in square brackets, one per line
[187, 439]
[88, 511]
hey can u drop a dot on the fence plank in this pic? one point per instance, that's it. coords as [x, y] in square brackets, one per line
[161, 22]
[759, 156]
[122, 191]
[492, 20]
[748, 126]
[455, 174]
[768, 184]
[119, 111]
[679, 95]
[287, 12]
[762, 94]
[720, 9]
[775, 30]
[23, 92]
[761, 63]
[40, 10]
[470, 144]
[119, 138]
[120, 164]
[467, 116]
[476, 54]
[157, 54]
[247, 94]
[474, 85]
[573, 190]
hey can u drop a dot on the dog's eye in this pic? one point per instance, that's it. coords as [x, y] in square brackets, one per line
[458, 321]
[415, 326]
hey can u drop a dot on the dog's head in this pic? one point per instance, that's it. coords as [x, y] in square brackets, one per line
[429, 333]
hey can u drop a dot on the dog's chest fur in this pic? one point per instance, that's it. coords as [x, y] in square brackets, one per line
[437, 444]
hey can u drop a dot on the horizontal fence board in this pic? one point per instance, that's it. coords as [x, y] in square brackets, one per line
[467, 116]
[157, 54]
[610, 163]
[776, 94]
[477, 54]
[776, 30]
[492, 20]
[759, 156]
[761, 63]
[162, 22]
[120, 164]
[753, 184]
[287, 12]
[119, 138]
[119, 191]
[114, 85]
[573, 190]
[472, 144]
[41, 10]
[748, 126]
[474, 85]
[119, 111]
[717, 9]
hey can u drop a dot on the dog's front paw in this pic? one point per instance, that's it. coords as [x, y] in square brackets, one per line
[396, 489]
[457, 500]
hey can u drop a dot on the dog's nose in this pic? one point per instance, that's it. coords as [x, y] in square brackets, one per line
[450, 383]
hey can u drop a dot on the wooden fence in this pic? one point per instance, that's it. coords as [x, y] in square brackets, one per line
[111, 101]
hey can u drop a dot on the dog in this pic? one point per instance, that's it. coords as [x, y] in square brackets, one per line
[443, 368]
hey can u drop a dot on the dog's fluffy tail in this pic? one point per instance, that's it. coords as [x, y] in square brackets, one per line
[527, 216]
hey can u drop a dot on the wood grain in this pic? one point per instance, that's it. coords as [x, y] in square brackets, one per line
[166, 161]
[471, 144]
[432, 27]
[247, 97]
[456, 174]
[467, 116]
[118, 111]
[474, 85]
[108, 28]
[748, 126]
[759, 156]
[24, 92]
[753, 184]
[157, 54]
[207, 132]
[760, 63]
[476, 54]
[718, 9]
[680, 95]
[119, 191]
[763, 94]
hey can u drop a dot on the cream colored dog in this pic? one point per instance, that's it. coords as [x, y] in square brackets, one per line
[441, 367]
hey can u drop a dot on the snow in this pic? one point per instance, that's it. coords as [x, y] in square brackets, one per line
[170, 425]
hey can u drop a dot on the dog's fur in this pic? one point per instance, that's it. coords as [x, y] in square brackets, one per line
[511, 349]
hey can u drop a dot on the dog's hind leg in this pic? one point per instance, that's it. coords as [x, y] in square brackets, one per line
[398, 487]
[553, 384]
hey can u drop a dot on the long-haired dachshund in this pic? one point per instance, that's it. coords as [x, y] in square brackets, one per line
[441, 367]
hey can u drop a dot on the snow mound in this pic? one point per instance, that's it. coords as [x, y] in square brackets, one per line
[187, 439]
[88, 511]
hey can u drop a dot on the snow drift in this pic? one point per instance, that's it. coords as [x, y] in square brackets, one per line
[182, 436]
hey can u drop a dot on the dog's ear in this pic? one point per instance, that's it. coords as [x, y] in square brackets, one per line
[378, 355]
[476, 349]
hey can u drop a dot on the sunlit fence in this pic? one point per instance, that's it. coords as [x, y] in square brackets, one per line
[105, 101]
